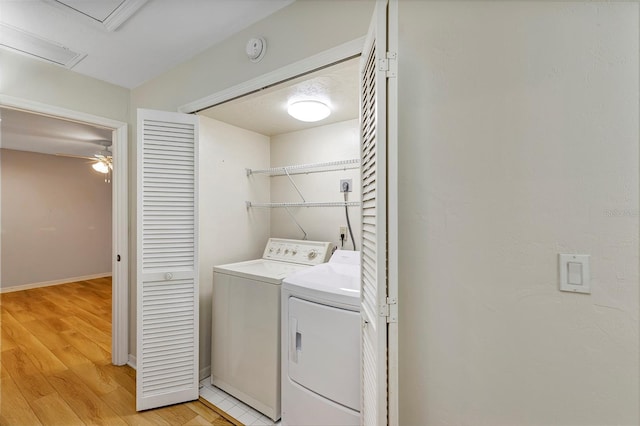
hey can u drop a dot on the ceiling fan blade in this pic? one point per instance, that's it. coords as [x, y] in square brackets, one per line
[76, 156]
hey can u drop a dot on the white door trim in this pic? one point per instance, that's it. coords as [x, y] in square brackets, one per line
[120, 214]
[322, 59]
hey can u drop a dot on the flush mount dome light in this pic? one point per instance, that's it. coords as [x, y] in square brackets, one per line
[309, 110]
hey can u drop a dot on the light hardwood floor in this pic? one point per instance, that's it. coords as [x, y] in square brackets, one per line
[55, 363]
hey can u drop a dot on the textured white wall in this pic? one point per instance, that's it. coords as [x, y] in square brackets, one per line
[56, 219]
[518, 141]
[229, 232]
[332, 142]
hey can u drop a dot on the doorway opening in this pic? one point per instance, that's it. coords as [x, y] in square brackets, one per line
[256, 132]
[117, 131]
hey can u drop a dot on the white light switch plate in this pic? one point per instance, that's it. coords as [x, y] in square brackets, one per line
[575, 275]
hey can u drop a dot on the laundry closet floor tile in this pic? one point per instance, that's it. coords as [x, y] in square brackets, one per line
[232, 406]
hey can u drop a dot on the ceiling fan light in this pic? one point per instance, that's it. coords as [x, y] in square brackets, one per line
[309, 111]
[100, 167]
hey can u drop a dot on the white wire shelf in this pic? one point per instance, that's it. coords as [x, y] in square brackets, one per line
[304, 204]
[307, 168]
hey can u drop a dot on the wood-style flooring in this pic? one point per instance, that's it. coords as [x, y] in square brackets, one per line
[55, 363]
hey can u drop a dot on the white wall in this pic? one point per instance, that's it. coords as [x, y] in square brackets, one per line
[38, 81]
[518, 141]
[331, 142]
[56, 219]
[229, 232]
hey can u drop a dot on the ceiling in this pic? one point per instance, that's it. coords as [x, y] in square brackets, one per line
[126, 42]
[25, 131]
[265, 112]
[116, 55]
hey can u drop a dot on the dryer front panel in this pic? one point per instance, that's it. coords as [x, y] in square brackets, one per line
[324, 350]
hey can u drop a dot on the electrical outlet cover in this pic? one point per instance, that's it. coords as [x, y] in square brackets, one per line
[343, 231]
[349, 182]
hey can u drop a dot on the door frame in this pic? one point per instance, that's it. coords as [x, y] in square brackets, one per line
[119, 213]
[393, 203]
[323, 59]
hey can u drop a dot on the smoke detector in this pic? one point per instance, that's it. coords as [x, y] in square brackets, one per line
[256, 48]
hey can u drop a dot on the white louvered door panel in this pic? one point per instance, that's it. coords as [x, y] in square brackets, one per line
[167, 264]
[374, 229]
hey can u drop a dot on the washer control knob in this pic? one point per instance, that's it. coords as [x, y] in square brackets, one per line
[312, 254]
[294, 252]
[286, 251]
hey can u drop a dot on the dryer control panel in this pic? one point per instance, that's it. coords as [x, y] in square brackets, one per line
[298, 251]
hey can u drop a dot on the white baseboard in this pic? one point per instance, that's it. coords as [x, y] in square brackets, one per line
[54, 282]
[205, 372]
[132, 362]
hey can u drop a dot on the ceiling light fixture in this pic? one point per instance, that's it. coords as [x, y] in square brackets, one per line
[309, 111]
[100, 167]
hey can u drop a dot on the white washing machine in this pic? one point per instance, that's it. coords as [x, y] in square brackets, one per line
[245, 341]
[321, 343]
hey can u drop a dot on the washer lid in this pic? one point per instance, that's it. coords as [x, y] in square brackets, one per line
[269, 271]
[332, 282]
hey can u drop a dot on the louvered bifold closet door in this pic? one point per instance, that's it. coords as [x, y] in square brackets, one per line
[167, 266]
[374, 238]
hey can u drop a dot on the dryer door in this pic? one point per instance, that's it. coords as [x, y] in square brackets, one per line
[324, 351]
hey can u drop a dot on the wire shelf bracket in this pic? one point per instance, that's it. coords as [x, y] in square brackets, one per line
[304, 169]
[307, 168]
[251, 204]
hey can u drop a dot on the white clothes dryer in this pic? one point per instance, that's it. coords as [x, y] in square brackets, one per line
[321, 329]
[245, 340]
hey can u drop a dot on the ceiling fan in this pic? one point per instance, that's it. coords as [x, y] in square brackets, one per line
[102, 160]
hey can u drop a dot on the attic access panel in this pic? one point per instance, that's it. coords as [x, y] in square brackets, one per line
[110, 13]
[26, 43]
